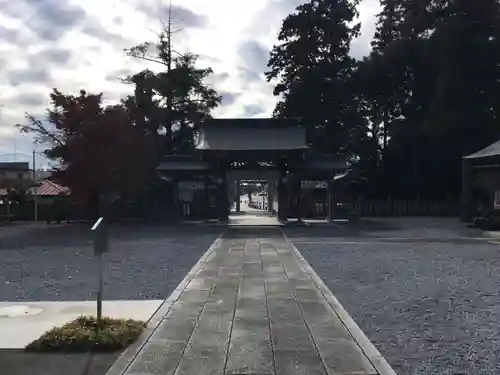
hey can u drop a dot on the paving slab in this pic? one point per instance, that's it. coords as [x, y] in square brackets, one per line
[255, 307]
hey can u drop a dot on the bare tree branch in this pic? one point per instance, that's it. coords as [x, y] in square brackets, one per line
[38, 128]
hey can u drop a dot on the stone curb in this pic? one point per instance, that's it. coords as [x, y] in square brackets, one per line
[491, 234]
[126, 358]
[371, 352]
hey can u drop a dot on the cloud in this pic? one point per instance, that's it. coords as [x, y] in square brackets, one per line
[49, 19]
[181, 16]
[73, 45]
[254, 55]
[8, 34]
[50, 57]
[188, 18]
[217, 79]
[229, 98]
[118, 20]
[252, 110]
[29, 99]
[28, 76]
[118, 75]
[102, 34]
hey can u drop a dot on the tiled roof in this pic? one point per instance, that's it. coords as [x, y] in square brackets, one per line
[487, 152]
[251, 135]
[48, 188]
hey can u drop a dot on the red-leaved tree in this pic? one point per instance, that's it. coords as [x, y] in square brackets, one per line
[98, 149]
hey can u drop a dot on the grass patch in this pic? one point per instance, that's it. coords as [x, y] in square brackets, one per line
[80, 336]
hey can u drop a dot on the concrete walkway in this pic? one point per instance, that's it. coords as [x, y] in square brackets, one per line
[252, 217]
[254, 306]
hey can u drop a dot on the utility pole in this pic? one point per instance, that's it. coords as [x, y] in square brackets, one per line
[35, 192]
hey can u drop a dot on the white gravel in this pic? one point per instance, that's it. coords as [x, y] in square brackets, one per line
[57, 263]
[430, 306]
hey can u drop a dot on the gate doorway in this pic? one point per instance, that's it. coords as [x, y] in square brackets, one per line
[254, 193]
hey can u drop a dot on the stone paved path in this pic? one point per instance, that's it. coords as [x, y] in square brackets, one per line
[251, 309]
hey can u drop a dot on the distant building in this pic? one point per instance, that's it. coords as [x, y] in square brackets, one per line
[46, 191]
[13, 174]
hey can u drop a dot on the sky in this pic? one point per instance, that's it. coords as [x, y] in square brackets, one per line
[73, 45]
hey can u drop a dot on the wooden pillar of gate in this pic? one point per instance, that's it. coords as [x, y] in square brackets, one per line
[222, 196]
[329, 200]
[206, 197]
[238, 187]
[282, 194]
[270, 195]
[299, 191]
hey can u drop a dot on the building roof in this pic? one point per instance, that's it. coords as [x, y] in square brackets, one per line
[15, 166]
[487, 152]
[49, 189]
[251, 135]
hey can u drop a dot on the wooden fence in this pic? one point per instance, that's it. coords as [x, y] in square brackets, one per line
[404, 208]
[311, 209]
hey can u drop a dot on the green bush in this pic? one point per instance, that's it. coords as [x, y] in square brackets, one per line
[80, 336]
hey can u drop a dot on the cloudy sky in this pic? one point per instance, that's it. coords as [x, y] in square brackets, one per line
[73, 45]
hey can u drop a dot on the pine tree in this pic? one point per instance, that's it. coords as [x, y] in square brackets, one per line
[314, 71]
[174, 100]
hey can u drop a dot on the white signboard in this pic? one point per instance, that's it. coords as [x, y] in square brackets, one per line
[496, 201]
[307, 184]
[191, 185]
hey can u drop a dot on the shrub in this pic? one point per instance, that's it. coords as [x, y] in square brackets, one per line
[80, 335]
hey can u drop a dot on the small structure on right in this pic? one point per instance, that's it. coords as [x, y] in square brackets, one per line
[481, 182]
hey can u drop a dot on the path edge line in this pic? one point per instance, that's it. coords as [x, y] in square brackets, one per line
[125, 359]
[378, 361]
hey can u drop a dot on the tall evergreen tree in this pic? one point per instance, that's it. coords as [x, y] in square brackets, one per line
[388, 74]
[464, 112]
[174, 100]
[314, 71]
[440, 91]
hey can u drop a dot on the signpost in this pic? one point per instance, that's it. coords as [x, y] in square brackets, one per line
[101, 241]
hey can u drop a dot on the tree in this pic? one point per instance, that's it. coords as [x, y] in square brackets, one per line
[314, 72]
[176, 99]
[384, 78]
[98, 149]
[433, 76]
[463, 115]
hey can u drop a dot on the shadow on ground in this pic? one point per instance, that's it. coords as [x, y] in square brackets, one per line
[242, 232]
[74, 234]
[17, 362]
[408, 227]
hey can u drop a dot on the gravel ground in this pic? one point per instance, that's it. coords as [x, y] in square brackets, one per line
[57, 263]
[430, 306]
